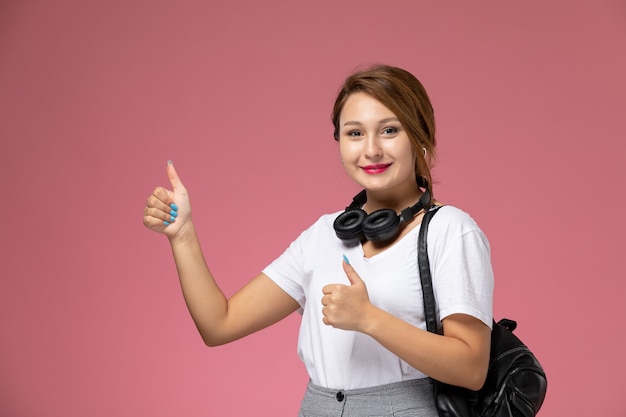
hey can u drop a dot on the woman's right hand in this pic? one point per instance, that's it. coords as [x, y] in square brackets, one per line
[168, 211]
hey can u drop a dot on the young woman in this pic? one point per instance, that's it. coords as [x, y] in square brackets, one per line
[362, 338]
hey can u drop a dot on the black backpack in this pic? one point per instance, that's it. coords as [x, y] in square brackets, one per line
[516, 383]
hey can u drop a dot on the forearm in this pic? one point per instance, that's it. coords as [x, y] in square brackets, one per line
[260, 303]
[205, 300]
[444, 358]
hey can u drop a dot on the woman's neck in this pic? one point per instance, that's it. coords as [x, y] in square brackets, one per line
[398, 200]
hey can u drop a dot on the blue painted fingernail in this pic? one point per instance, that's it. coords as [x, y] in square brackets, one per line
[174, 207]
[166, 223]
[172, 218]
[173, 213]
[169, 162]
[346, 260]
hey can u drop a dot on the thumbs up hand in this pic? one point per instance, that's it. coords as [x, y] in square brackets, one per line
[346, 306]
[168, 211]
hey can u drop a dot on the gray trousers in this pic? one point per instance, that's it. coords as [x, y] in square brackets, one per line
[413, 398]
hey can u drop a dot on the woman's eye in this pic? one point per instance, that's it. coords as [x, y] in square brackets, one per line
[354, 133]
[390, 130]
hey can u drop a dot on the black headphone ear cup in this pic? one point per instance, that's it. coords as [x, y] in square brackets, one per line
[381, 225]
[349, 225]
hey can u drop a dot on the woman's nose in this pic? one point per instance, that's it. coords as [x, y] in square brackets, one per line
[372, 147]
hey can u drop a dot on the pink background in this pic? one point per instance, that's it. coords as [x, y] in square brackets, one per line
[95, 97]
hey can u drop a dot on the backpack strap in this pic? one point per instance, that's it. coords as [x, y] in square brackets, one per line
[424, 268]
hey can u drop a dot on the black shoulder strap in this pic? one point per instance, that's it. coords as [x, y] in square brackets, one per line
[424, 268]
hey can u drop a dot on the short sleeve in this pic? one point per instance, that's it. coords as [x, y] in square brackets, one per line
[287, 270]
[460, 261]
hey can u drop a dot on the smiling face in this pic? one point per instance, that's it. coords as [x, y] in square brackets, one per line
[403, 96]
[375, 148]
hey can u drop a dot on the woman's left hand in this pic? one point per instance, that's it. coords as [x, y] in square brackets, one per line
[346, 306]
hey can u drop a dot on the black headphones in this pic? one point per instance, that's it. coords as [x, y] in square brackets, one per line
[354, 224]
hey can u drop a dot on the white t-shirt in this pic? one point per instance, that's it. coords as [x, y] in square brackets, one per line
[462, 279]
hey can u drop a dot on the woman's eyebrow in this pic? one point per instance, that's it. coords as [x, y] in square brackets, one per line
[380, 122]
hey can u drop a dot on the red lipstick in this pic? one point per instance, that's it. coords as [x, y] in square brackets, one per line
[375, 169]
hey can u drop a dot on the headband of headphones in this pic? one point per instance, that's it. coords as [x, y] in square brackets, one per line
[354, 224]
